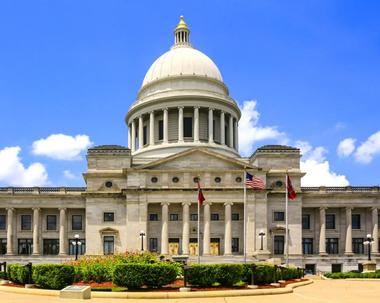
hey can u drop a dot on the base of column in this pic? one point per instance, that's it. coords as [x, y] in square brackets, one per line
[10, 254]
[349, 254]
[227, 254]
[63, 255]
[36, 254]
[323, 254]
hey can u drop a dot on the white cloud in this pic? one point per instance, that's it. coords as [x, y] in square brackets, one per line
[368, 149]
[69, 175]
[61, 147]
[250, 132]
[14, 173]
[346, 147]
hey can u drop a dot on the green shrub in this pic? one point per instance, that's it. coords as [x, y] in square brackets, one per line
[201, 275]
[229, 274]
[265, 273]
[18, 273]
[97, 272]
[158, 274]
[53, 276]
[3, 275]
[353, 275]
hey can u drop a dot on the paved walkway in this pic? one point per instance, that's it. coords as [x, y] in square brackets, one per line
[321, 291]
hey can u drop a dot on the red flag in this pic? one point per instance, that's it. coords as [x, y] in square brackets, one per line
[291, 192]
[201, 198]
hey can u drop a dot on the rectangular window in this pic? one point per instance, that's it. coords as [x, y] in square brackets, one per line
[332, 246]
[235, 245]
[194, 217]
[153, 244]
[279, 242]
[153, 217]
[330, 221]
[187, 127]
[3, 246]
[108, 245]
[51, 222]
[109, 217]
[25, 246]
[50, 246]
[160, 130]
[81, 247]
[358, 246]
[214, 217]
[2, 222]
[213, 129]
[26, 222]
[307, 246]
[305, 221]
[355, 221]
[76, 222]
[278, 216]
[235, 217]
[145, 136]
[173, 217]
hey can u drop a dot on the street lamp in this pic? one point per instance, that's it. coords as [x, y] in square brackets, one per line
[142, 235]
[76, 244]
[262, 235]
[369, 241]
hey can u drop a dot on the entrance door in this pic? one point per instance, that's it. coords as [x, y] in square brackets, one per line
[214, 247]
[310, 269]
[173, 246]
[336, 267]
[193, 247]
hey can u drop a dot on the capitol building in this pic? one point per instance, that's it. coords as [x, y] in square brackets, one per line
[183, 126]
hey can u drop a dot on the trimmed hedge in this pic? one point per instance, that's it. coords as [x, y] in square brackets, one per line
[135, 275]
[18, 273]
[53, 276]
[3, 275]
[353, 275]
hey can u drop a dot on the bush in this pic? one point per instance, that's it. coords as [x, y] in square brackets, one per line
[3, 275]
[229, 274]
[53, 276]
[201, 275]
[353, 275]
[265, 273]
[18, 273]
[97, 272]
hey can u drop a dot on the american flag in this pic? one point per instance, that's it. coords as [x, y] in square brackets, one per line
[254, 182]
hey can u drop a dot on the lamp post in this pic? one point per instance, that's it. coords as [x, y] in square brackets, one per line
[262, 235]
[369, 241]
[142, 235]
[76, 244]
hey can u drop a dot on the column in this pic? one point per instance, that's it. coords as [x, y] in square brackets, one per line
[185, 227]
[151, 128]
[236, 129]
[227, 229]
[129, 136]
[206, 228]
[222, 129]
[166, 131]
[141, 134]
[375, 231]
[133, 143]
[196, 124]
[210, 126]
[231, 136]
[62, 231]
[36, 227]
[322, 231]
[348, 246]
[10, 215]
[164, 228]
[180, 124]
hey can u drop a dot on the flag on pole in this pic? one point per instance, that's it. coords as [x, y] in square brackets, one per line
[201, 197]
[252, 181]
[291, 192]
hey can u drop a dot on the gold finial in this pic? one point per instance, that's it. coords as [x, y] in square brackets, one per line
[182, 24]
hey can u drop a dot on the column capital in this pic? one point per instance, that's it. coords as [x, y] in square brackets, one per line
[228, 203]
[36, 208]
[180, 107]
[323, 208]
[374, 208]
[62, 208]
[186, 203]
[151, 112]
[211, 109]
[349, 208]
[10, 208]
[165, 203]
[207, 203]
[197, 107]
[165, 109]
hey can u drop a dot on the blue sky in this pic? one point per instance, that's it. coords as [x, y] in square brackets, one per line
[74, 68]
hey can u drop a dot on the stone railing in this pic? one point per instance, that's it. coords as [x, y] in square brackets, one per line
[330, 189]
[39, 190]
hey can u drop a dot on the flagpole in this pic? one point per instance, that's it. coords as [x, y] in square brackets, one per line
[198, 228]
[286, 222]
[245, 218]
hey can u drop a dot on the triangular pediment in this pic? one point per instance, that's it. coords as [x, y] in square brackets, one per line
[196, 158]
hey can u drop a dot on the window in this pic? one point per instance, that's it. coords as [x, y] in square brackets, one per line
[226, 141]
[307, 246]
[187, 127]
[194, 217]
[25, 246]
[305, 221]
[81, 248]
[145, 136]
[76, 222]
[153, 217]
[214, 217]
[355, 221]
[109, 217]
[2, 222]
[160, 130]
[330, 221]
[51, 247]
[235, 217]
[235, 245]
[279, 245]
[26, 222]
[3, 246]
[278, 216]
[332, 246]
[357, 245]
[51, 222]
[108, 245]
[153, 244]
[213, 129]
[173, 217]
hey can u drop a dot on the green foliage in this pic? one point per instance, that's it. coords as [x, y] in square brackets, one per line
[202, 275]
[3, 275]
[96, 272]
[18, 273]
[353, 275]
[229, 274]
[53, 276]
